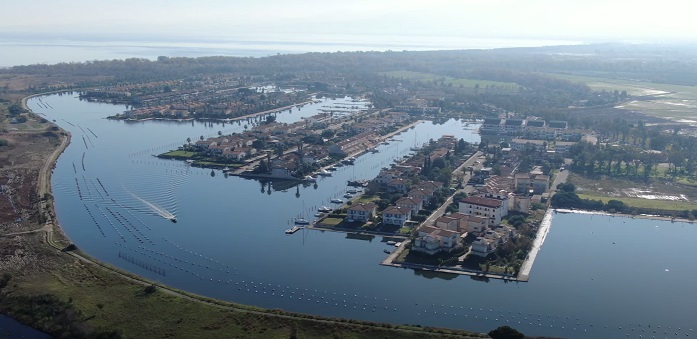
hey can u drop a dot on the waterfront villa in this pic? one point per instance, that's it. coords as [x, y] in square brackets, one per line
[360, 212]
[398, 185]
[482, 247]
[394, 215]
[432, 240]
[490, 240]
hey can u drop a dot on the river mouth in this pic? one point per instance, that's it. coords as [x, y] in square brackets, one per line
[229, 240]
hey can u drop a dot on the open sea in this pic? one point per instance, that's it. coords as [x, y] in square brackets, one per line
[26, 51]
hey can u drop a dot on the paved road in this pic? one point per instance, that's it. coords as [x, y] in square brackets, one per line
[559, 179]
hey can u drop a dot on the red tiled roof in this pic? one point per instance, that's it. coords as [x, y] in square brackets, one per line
[480, 201]
[362, 207]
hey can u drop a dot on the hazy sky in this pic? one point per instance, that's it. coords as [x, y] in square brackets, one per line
[278, 20]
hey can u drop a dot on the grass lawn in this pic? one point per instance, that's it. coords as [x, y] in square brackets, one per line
[455, 82]
[645, 203]
[405, 230]
[331, 221]
[365, 199]
[179, 153]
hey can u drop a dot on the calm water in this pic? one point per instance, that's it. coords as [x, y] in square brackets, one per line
[10, 328]
[26, 50]
[229, 241]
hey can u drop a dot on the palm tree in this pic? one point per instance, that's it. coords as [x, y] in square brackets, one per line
[188, 140]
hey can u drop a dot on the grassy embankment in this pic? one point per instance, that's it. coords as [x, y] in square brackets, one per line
[668, 101]
[104, 301]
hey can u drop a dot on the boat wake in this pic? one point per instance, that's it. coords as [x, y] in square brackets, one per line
[157, 209]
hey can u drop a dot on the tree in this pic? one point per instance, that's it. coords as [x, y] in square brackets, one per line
[150, 289]
[506, 332]
[328, 133]
[567, 187]
[188, 140]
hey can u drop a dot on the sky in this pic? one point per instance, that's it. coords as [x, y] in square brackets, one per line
[345, 25]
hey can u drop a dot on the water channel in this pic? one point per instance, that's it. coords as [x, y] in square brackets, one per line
[596, 276]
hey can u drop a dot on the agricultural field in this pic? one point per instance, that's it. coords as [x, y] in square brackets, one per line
[655, 193]
[673, 102]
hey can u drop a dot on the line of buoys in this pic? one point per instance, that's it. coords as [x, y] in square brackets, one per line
[94, 220]
[132, 215]
[142, 264]
[133, 226]
[87, 187]
[79, 192]
[103, 189]
[92, 133]
[111, 223]
[124, 225]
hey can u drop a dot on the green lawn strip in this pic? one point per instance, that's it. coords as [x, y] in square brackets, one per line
[178, 153]
[469, 83]
[645, 203]
[365, 199]
[330, 222]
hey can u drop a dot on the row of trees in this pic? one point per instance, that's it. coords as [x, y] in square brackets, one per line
[679, 152]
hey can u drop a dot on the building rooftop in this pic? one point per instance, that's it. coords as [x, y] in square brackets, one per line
[481, 201]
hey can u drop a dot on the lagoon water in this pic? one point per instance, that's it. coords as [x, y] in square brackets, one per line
[596, 276]
[10, 328]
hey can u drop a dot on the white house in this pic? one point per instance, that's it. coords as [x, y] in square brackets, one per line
[394, 215]
[423, 194]
[398, 185]
[491, 209]
[360, 212]
[432, 240]
[411, 203]
[482, 247]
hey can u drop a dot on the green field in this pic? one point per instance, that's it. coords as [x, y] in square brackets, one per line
[673, 102]
[645, 203]
[455, 82]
